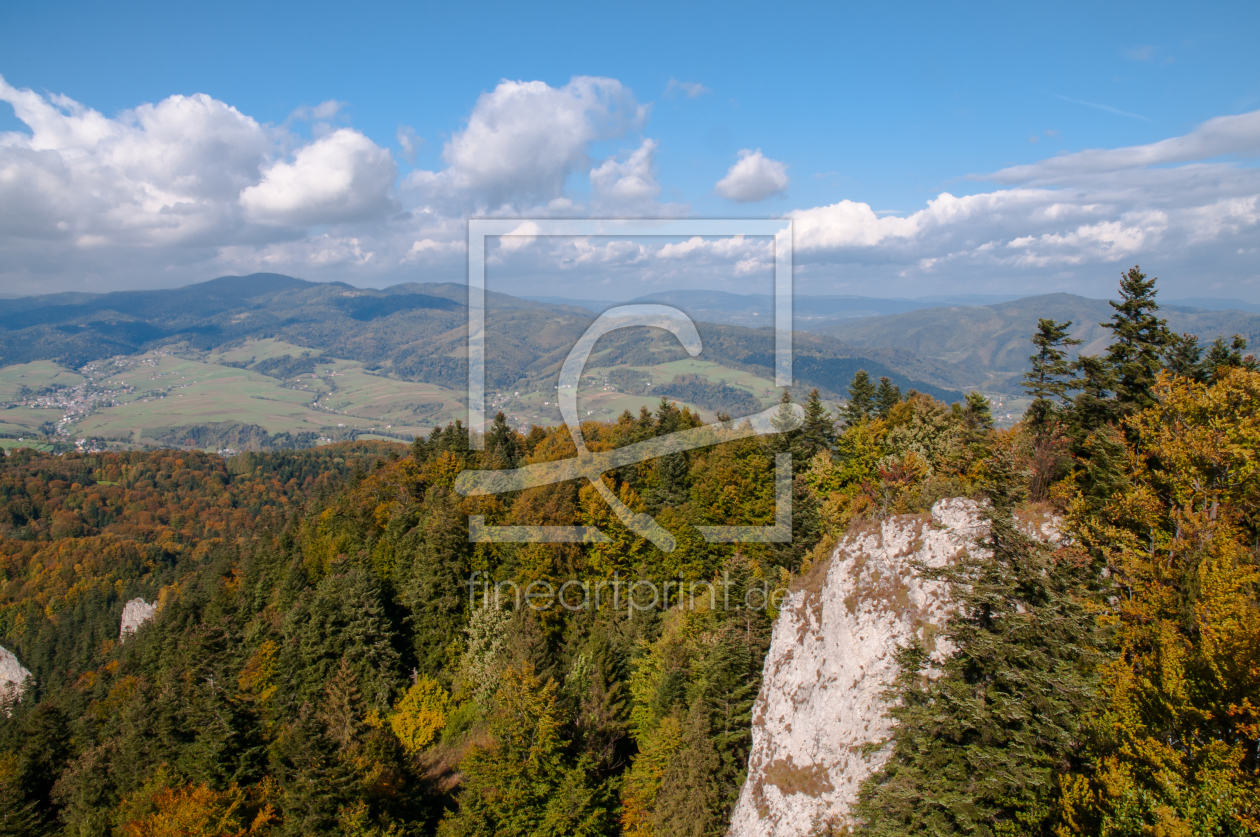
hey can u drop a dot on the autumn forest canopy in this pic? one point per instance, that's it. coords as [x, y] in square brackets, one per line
[319, 664]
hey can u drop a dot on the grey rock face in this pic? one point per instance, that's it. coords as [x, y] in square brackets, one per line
[831, 658]
[135, 613]
[12, 678]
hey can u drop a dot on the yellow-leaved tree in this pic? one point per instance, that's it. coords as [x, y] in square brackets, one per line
[420, 714]
[1176, 748]
[163, 810]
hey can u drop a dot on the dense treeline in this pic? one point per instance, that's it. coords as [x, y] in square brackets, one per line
[331, 654]
[235, 435]
[694, 389]
[320, 664]
[81, 533]
[317, 664]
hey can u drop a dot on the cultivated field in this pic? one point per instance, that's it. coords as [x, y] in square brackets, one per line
[40, 375]
[135, 398]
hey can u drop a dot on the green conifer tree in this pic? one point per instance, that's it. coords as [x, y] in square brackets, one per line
[1140, 341]
[1185, 357]
[503, 448]
[1051, 377]
[689, 803]
[887, 396]
[523, 783]
[17, 813]
[433, 580]
[977, 416]
[818, 433]
[861, 398]
[1094, 405]
[1222, 356]
[315, 784]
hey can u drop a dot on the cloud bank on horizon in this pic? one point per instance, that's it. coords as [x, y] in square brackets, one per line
[189, 187]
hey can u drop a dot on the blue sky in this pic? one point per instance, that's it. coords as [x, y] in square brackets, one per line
[884, 107]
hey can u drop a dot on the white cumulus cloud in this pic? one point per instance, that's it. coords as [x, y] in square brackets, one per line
[340, 177]
[754, 177]
[165, 173]
[629, 181]
[524, 138]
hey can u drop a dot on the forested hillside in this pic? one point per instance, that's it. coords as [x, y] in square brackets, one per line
[983, 339]
[331, 655]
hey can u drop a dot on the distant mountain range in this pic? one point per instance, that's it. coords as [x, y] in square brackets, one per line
[819, 313]
[994, 339]
[411, 331]
[942, 345]
[756, 309]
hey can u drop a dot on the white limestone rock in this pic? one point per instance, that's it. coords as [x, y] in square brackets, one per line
[12, 678]
[831, 657]
[135, 613]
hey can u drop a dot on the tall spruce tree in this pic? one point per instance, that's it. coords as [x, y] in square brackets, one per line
[861, 398]
[1140, 341]
[524, 782]
[816, 433]
[1094, 406]
[977, 418]
[978, 749]
[1222, 356]
[1051, 377]
[503, 447]
[17, 813]
[669, 487]
[887, 396]
[1185, 357]
[689, 803]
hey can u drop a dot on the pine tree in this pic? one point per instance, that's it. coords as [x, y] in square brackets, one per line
[668, 417]
[689, 803]
[1051, 376]
[978, 749]
[1222, 357]
[1140, 340]
[861, 398]
[522, 783]
[886, 397]
[45, 750]
[432, 584]
[314, 782]
[503, 448]
[1185, 357]
[977, 417]
[1094, 406]
[668, 488]
[818, 433]
[17, 813]
[784, 422]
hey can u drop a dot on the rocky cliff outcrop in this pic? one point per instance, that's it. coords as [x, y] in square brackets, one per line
[830, 660]
[135, 613]
[12, 678]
